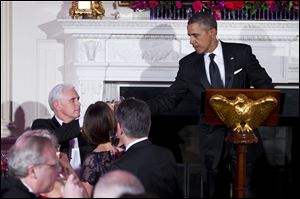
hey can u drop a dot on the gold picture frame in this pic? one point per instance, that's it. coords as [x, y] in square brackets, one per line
[95, 10]
[124, 3]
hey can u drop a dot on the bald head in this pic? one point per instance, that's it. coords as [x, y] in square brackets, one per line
[116, 183]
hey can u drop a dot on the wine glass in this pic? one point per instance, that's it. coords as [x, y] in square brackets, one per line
[114, 103]
[63, 170]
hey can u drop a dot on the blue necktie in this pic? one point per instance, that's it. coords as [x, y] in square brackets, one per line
[215, 78]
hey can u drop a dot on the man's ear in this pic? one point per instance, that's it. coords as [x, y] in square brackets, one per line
[120, 129]
[213, 31]
[57, 105]
[31, 171]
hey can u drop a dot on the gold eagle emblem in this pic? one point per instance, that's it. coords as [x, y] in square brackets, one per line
[242, 114]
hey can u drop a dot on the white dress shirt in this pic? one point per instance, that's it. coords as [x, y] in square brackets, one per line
[75, 159]
[219, 61]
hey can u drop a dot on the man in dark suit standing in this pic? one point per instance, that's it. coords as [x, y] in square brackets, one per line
[214, 64]
[63, 100]
[153, 165]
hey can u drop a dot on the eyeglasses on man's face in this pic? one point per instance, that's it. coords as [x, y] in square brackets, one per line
[55, 165]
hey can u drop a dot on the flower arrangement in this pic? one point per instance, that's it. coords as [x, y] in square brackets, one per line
[144, 5]
[221, 9]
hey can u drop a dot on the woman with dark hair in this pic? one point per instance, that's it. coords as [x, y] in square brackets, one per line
[99, 127]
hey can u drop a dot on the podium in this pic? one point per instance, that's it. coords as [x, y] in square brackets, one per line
[242, 111]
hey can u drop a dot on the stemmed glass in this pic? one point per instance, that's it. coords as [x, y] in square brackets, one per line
[114, 103]
[63, 171]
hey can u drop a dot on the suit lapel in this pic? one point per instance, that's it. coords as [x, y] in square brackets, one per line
[55, 122]
[229, 59]
[200, 66]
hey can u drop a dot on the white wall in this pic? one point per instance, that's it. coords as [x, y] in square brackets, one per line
[37, 63]
[31, 78]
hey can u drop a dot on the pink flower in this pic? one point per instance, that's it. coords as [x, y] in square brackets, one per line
[271, 5]
[229, 4]
[239, 5]
[234, 5]
[217, 14]
[197, 6]
[178, 4]
[140, 5]
[220, 5]
[296, 6]
[153, 4]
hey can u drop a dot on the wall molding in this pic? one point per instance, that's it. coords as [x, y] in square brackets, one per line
[6, 64]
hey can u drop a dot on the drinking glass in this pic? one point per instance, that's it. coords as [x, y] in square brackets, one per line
[114, 103]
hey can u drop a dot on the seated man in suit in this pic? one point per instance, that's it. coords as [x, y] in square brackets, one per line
[33, 168]
[154, 166]
[63, 100]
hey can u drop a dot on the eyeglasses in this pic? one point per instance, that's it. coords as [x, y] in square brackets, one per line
[56, 165]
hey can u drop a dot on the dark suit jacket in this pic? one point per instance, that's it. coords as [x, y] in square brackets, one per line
[12, 187]
[192, 78]
[65, 133]
[155, 167]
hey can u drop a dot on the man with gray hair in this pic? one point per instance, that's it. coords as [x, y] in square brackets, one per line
[63, 100]
[118, 183]
[153, 165]
[33, 168]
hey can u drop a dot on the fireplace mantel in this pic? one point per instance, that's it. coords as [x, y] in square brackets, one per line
[285, 29]
[99, 53]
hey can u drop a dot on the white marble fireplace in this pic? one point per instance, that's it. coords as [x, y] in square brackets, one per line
[102, 55]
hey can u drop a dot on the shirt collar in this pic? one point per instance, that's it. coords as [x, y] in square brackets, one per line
[135, 141]
[28, 187]
[217, 51]
[59, 120]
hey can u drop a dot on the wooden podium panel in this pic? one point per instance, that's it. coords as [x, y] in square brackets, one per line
[212, 118]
